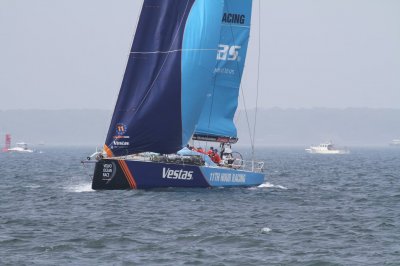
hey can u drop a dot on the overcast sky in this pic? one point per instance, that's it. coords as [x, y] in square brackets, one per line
[315, 53]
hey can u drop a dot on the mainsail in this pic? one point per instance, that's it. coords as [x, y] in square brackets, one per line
[169, 71]
[216, 121]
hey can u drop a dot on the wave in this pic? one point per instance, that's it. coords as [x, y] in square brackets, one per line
[265, 230]
[82, 187]
[269, 185]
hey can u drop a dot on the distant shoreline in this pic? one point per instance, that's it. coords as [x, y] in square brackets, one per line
[276, 127]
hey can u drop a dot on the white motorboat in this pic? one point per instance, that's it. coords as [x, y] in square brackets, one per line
[395, 142]
[326, 148]
[21, 147]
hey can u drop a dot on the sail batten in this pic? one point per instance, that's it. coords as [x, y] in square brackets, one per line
[174, 51]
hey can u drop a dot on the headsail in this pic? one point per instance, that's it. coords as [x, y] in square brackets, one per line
[172, 58]
[216, 121]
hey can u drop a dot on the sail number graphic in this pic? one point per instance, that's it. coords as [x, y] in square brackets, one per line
[121, 129]
[228, 53]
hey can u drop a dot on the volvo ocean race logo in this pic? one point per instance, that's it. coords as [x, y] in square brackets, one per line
[121, 129]
[108, 171]
[177, 174]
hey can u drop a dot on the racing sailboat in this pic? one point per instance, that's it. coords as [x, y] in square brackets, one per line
[181, 84]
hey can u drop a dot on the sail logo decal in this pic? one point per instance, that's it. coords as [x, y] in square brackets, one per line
[120, 140]
[117, 143]
[121, 129]
[177, 174]
[234, 18]
[228, 53]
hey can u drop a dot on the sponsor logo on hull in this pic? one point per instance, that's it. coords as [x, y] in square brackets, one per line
[108, 171]
[228, 177]
[177, 174]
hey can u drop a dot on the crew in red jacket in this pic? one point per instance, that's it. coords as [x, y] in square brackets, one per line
[215, 157]
[200, 149]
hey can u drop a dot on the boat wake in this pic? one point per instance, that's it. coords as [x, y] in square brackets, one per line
[269, 185]
[82, 187]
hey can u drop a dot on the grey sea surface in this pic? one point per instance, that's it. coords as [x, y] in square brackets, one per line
[312, 210]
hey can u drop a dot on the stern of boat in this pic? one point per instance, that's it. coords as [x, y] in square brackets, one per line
[108, 174]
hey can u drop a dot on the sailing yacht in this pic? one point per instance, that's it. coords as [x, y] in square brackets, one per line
[181, 84]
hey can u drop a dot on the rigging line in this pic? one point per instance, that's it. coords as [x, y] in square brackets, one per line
[258, 75]
[247, 116]
[165, 60]
[237, 116]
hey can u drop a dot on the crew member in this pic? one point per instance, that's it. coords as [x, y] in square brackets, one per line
[200, 149]
[215, 157]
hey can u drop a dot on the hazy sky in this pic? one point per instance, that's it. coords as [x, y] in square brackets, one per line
[315, 53]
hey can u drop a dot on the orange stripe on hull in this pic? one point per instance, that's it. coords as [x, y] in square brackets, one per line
[125, 173]
[108, 151]
[128, 174]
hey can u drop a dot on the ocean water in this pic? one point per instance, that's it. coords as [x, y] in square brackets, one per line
[312, 210]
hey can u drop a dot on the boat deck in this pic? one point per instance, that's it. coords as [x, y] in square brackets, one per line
[238, 164]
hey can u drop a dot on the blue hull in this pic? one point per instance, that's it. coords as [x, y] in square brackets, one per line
[128, 174]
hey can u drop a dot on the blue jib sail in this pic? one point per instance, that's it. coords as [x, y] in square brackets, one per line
[216, 121]
[169, 71]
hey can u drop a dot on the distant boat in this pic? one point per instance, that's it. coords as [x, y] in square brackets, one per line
[21, 147]
[326, 148]
[395, 142]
